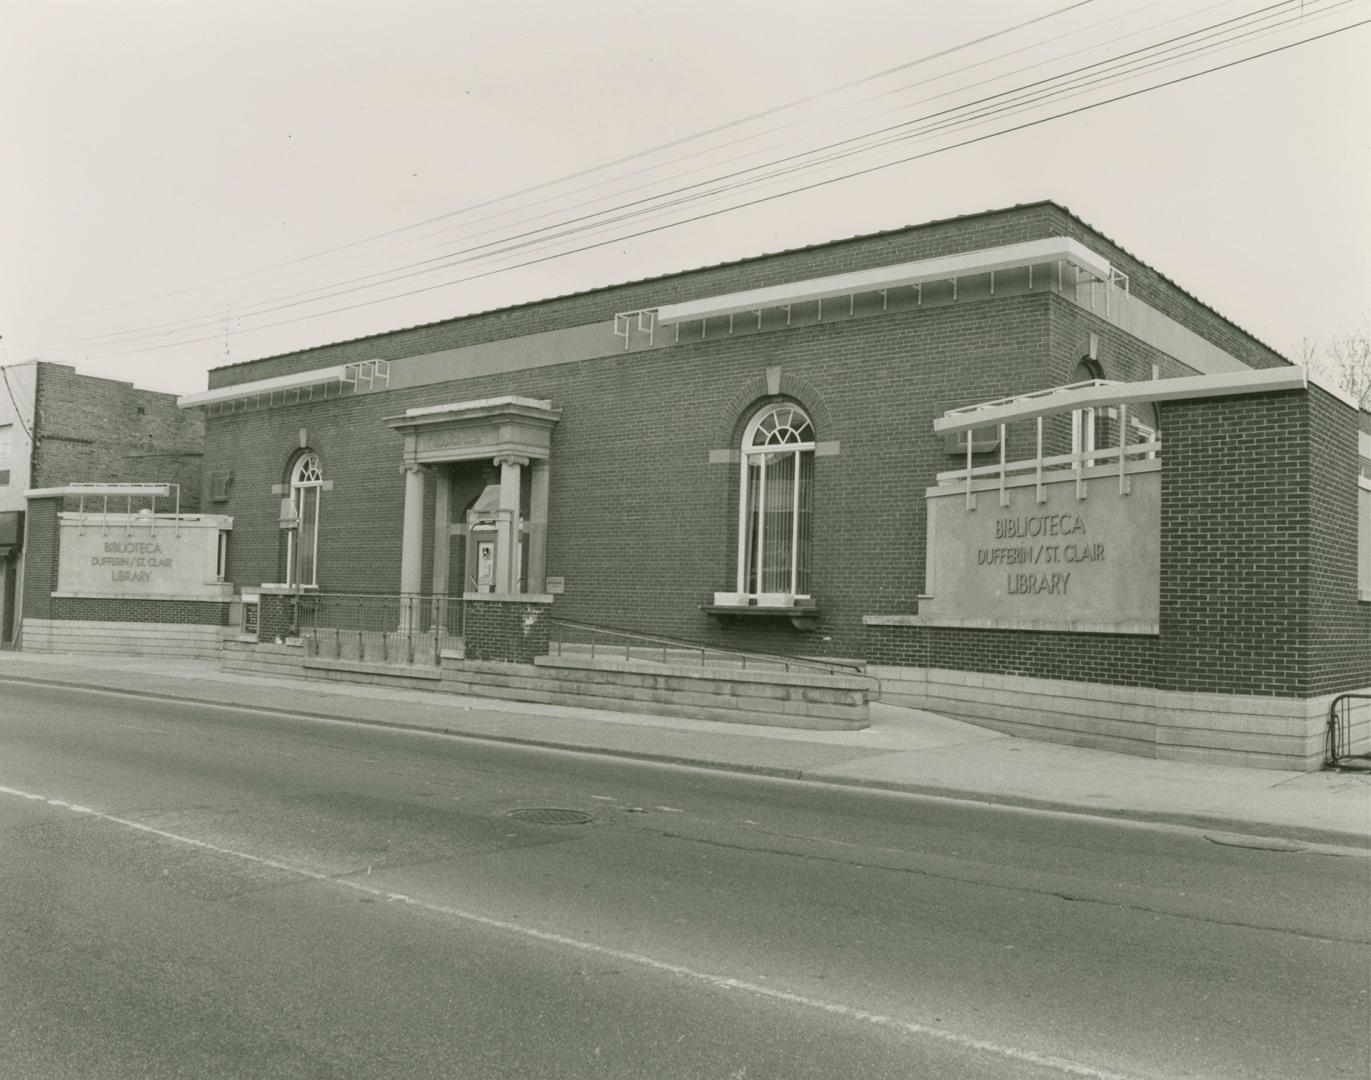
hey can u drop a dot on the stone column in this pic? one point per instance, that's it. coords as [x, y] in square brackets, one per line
[537, 526]
[507, 534]
[412, 540]
[442, 530]
[442, 553]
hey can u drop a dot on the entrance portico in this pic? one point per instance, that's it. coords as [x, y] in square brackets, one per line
[511, 433]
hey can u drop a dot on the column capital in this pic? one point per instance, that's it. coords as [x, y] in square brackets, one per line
[511, 459]
[413, 467]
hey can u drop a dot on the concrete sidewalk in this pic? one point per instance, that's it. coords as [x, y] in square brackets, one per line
[903, 750]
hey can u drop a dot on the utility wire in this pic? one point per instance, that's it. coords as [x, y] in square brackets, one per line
[1029, 96]
[445, 260]
[1063, 85]
[603, 166]
[18, 412]
[93, 337]
[870, 98]
[808, 187]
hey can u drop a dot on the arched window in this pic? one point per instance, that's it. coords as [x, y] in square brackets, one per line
[775, 507]
[1098, 428]
[302, 543]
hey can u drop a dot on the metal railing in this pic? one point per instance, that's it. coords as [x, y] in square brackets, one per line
[566, 638]
[381, 629]
[1339, 741]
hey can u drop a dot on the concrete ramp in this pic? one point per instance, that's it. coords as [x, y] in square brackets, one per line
[811, 699]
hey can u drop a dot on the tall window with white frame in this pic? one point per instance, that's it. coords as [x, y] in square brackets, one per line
[302, 543]
[1089, 427]
[775, 508]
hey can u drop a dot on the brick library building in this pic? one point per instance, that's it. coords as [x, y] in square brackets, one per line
[993, 466]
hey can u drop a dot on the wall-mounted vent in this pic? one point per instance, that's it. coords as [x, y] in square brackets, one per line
[219, 484]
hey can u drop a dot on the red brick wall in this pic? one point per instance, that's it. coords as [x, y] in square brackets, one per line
[134, 609]
[359, 539]
[1339, 623]
[642, 525]
[1118, 659]
[1236, 544]
[277, 616]
[502, 630]
[40, 557]
[92, 430]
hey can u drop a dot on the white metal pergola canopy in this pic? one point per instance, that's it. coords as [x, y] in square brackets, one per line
[362, 374]
[945, 268]
[1101, 393]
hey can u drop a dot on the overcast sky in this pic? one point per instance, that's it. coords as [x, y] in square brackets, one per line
[162, 158]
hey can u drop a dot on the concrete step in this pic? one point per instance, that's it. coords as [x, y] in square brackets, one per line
[549, 694]
[756, 698]
[789, 699]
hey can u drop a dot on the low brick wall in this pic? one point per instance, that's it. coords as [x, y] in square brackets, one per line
[277, 615]
[134, 609]
[509, 628]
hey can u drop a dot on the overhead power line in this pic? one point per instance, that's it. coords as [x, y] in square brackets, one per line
[967, 114]
[793, 190]
[508, 242]
[640, 154]
[18, 412]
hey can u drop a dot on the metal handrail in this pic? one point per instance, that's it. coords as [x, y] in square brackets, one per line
[1338, 739]
[843, 667]
[406, 628]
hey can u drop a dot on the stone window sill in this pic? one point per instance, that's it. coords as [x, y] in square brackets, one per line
[803, 614]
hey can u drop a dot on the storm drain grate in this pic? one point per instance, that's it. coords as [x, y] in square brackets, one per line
[550, 815]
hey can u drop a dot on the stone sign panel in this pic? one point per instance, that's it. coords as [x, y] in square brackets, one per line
[1066, 563]
[133, 555]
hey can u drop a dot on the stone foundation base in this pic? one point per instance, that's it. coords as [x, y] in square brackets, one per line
[1220, 729]
[179, 641]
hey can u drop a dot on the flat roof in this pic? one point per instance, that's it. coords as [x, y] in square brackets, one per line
[761, 256]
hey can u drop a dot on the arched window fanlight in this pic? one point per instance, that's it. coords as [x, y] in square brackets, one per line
[776, 503]
[783, 425]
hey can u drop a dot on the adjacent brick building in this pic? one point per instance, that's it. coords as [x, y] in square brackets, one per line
[751, 456]
[60, 427]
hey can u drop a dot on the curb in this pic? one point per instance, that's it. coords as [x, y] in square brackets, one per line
[1208, 822]
[1308, 834]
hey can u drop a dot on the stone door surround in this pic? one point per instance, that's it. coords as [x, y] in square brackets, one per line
[510, 431]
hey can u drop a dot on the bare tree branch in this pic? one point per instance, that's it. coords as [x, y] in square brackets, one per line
[1345, 360]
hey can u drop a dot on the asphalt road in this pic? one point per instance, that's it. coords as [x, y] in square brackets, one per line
[197, 892]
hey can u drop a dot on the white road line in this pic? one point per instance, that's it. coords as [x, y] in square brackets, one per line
[723, 982]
